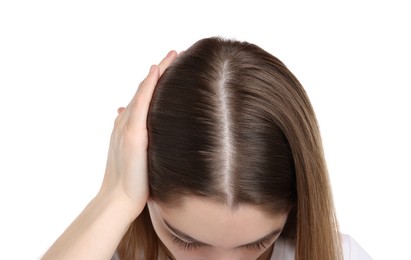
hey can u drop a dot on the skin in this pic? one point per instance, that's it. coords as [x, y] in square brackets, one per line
[224, 230]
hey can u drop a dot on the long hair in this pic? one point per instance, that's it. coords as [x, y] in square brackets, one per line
[229, 122]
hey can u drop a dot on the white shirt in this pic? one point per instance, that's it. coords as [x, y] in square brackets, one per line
[285, 249]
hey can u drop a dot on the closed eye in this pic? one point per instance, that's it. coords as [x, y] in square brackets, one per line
[264, 244]
[185, 245]
[185, 242]
[189, 246]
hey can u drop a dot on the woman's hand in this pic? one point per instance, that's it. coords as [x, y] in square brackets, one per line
[126, 179]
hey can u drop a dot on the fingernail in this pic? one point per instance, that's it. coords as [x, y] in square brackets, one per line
[152, 68]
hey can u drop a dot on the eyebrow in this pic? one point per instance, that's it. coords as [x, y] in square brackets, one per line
[183, 236]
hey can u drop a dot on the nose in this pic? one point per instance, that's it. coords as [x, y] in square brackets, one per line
[227, 256]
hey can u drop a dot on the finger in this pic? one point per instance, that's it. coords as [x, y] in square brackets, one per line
[171, 56]
[138, 107]
[141, 101]
[120, 110]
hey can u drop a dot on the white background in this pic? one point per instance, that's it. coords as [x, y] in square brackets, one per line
[66, 66]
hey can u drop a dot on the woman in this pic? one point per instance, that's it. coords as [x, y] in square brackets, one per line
[225, 162]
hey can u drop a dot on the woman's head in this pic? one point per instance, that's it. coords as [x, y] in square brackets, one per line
[230, 125]
[216, 125]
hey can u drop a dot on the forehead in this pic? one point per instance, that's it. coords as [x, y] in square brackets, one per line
[216, 224]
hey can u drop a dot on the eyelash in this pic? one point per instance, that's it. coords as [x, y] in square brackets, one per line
[264, 244]
[193, 245]
[184, 245]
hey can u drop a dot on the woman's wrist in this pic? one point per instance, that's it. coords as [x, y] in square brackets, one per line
[121, 203]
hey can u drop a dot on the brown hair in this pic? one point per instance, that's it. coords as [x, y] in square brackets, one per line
[229, 122]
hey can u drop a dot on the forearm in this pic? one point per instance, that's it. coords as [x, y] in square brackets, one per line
[96, 232]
